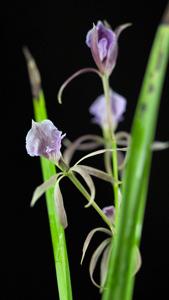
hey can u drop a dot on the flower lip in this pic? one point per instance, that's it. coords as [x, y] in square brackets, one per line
[44, 139]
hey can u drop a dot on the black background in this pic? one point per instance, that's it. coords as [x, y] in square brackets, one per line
[55, 34]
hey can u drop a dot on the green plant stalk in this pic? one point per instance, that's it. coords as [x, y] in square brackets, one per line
[119, 284]
[57, 231]
[110, 139]
[83, 191]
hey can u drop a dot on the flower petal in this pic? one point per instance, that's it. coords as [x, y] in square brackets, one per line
[123, 138]
[87, 178]
[97, 173]
[98, 152]
[111, 57]
[90, 236]
[76, 74]
[60, 205]
[44, 139]
[120, 28]
[95, 49]
[156, 146]
[138, 261]
[78, 145]
[117, 109]
[95, 258]
[41, 189]
[104, 267]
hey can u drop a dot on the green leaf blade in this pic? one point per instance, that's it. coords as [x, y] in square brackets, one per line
[57, 231]
[120, 281]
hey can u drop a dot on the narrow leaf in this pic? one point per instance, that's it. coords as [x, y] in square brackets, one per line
[119, 280]
[90, 236]
[57, 231]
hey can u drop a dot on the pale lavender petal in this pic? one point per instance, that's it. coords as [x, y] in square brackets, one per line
[111, 57]
[118, 104]
[44, 139]
[98, 109]
[104, 32]
[88, 37]
[102, 46]
[95, 49]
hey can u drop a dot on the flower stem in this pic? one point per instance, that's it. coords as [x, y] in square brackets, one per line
[111, 140]
[83, 191]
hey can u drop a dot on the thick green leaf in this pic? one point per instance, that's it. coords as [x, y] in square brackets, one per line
[57, 231]
[119, 284]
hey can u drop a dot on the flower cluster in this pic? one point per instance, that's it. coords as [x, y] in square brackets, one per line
[45, 140]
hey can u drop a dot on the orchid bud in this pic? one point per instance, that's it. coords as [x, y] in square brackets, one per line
[99, 111]
[44, 139]
[109, 211]
[103, 42]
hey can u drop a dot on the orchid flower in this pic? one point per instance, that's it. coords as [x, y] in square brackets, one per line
[44, 139]
[117, 105]
[103, 42]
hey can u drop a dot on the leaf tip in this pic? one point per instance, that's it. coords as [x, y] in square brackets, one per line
[165, 17]
[34, 74]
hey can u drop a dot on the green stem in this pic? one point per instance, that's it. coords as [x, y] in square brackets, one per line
[57, 231]
[115, 174]
[111, 140]
[83, 191]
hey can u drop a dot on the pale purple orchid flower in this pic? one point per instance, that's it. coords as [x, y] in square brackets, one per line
[99, 111]
[103, 42]
[44, 139]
